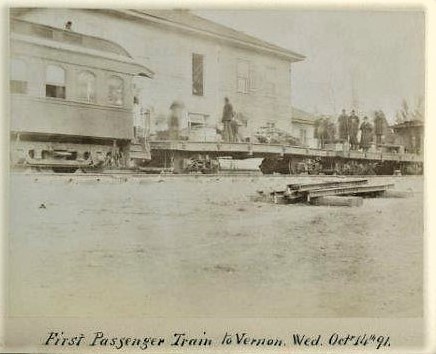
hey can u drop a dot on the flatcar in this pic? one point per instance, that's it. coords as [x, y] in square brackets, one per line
[71, 100]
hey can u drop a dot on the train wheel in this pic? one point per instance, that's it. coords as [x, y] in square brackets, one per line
[268, 166]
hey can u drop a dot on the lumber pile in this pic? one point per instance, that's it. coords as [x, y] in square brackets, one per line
[330, 193]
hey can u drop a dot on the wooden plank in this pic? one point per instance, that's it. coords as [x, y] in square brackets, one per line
[337, 201]
[329, 184]
[350, 190]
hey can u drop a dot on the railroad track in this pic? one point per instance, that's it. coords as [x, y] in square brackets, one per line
[120, 174]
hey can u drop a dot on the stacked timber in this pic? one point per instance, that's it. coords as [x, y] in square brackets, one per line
[332, 193]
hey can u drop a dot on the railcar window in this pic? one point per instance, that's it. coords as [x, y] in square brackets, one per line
[55, 82]
[87, 86]
[115, 90]
[18, 80]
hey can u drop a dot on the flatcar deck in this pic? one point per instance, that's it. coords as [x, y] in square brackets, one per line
[249, 150]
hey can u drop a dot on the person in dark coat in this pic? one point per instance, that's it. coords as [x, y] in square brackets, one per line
[330, 131]
[174, 120]
[379, 127]
[228, 114]
[326, 131]
[353, 123]
[343, 126]
[366, 137]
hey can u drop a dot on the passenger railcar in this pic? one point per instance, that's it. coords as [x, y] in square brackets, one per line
[71, 100]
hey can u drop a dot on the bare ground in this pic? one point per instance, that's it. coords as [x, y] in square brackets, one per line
[199, 246]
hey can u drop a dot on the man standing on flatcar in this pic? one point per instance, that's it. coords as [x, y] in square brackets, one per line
[228, 114]
[343, 127]
[353, 123]
[379, 127]
[366, 137]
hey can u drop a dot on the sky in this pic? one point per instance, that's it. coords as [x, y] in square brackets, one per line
[367, 60]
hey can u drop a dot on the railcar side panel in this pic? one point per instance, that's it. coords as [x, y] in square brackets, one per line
[52, 116]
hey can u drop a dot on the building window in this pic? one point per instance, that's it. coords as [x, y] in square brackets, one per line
[55, 82]
[116, 91]
[196, 120]
[243, 76]
[86, 86]
[270, 81]
[18, 79]
[197, 74]
[254, 78]
[303, 136]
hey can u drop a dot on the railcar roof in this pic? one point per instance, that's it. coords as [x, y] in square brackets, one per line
[66, 36]
[50, 37]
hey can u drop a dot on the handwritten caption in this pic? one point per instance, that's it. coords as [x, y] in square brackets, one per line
[180, 339]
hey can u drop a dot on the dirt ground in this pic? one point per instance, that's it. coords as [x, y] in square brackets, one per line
[199, 246]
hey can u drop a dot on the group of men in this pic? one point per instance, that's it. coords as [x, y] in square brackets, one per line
[349, 128]
[325, 130]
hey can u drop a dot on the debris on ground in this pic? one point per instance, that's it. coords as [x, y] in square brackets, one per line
[330, 193]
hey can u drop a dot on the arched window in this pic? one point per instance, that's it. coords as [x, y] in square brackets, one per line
[55, 82]
[115, 90]
[18, 79]
[86, 85]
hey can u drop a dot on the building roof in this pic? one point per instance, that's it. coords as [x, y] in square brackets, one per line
[301, 116]
[408, 124]
[185, 19]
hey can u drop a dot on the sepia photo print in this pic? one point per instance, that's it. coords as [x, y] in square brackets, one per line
[185, 179]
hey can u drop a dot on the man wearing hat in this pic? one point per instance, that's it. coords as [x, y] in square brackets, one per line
[343, 126]
[366, 137]
[228, 114]
[353, 124]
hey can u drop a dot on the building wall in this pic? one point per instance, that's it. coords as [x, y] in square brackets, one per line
[301, 130]
[412, 139]
[169, 54]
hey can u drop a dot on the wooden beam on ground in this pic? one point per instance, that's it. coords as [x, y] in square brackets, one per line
[349, 190]
[329, 184]
[337, 201]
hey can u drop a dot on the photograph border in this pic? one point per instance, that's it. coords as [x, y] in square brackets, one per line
[404, 330]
